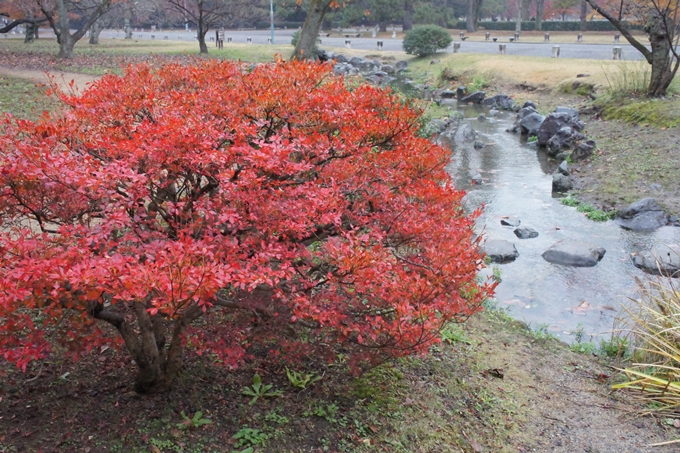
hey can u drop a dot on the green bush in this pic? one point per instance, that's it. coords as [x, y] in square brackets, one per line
[425, 40]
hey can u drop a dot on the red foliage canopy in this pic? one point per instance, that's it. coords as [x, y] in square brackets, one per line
[234, 194]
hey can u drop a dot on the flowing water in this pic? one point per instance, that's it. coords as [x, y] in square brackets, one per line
[517, 182]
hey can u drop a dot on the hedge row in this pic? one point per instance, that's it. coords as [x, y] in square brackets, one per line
[600, 25]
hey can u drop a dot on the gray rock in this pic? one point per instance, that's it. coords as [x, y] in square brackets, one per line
[553, 123]
[568, 111]
[448, 94]
[380, 73]
[356, 61]
[561, 183]
[464, 134]
[574, 253]
[660, 260]
[481, 117]
[444, 102]
[499, 101]
[530, 124]
[401, 65]
[511, 221]
[435, 61]
[373, 79]
[500, 251]
[478, 144]
[493, 112]
[340, 58]
[437, 125]
[563, 168]
[563, 140]
[388, 69]
[475, 98]
[643, 215]
[525, 233]
[460, 92]
[342, 68]
[476, 179]
[529, 104]
[583, 150]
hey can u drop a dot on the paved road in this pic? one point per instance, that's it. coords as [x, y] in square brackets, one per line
[575, 50]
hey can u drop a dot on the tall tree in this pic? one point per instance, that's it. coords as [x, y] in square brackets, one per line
[407, 18]
[59, 14]
[207, 14]
[564, 7]
[661, 19]
[304, 49]
[584, 15]
[540, 9]
[520, 14]
[472, 16]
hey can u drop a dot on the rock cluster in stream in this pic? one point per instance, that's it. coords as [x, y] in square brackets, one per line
[560, 133]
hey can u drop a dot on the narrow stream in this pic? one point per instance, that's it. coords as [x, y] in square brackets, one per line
[517, 182]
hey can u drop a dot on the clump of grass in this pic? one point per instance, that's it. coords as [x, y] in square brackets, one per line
[629, 79]
[654, 325]
[590, 211]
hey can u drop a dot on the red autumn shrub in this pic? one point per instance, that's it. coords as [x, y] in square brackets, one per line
[212, 206]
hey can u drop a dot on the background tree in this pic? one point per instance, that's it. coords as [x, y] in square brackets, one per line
[407, 16]
[661, 21]
[385, 11]
[207, 14]
[317, 9]
[474, 8]
[264, 202]
[22, 12]
[564, 7]
[59, 14]
[540, 11]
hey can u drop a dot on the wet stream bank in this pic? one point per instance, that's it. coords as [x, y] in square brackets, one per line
[516, 182]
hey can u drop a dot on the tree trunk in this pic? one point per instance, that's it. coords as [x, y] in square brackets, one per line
[407, 18]
[382, 25]
[95, 30]
[518, 24]
[201, 31]
[66, 44]
[30, 33]
[470, 17]
[660, 31]
[540, 6]
[304, 50]
[584, 13]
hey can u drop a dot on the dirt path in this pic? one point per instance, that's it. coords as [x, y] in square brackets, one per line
[63, 79]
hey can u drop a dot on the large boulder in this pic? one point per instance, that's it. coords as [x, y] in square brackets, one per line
[643, 215]
[563, 140]
[583, 150]
[500, 251]
[561, 183]
[500, 101]
[401, 65]
[475, 98]
[660, 260]
[554, 122]
[530, 124]
[569, 111]
[574, 253]
[464, 134]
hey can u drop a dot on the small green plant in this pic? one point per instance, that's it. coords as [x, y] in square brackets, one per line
[452, 333]
[477, 83]
[590, 211]
[424, 40]
[249, 437]
[616, 347]
[583, 348]
[258, 390]
[540, 333]
[301, 380]
[275, 417]
[569, 201]
[194, 422]
[532, 138]
[327, 412]
[496, 273]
